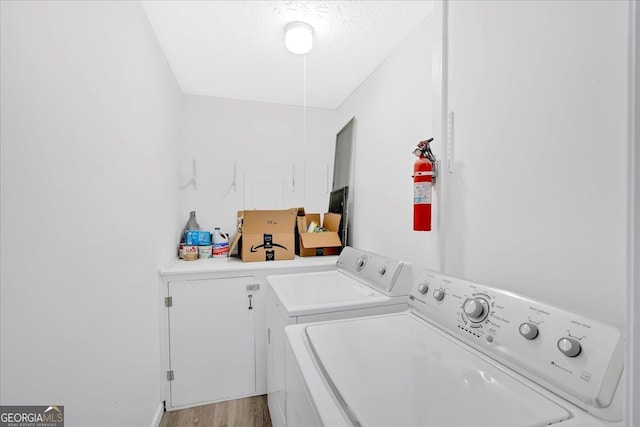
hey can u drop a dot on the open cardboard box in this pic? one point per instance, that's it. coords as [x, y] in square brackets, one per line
[265, 235]
[318, 244]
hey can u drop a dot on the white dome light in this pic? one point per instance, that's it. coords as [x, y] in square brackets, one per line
[298, 37]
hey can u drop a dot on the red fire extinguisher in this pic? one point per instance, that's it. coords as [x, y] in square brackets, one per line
[424, 176]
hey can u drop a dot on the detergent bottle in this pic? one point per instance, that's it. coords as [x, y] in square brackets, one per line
[220, 244]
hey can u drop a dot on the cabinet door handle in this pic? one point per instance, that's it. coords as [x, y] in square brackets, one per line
[250, 306]
[268, 335]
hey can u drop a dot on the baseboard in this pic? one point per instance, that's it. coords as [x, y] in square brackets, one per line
[209, 402]
[158, 416]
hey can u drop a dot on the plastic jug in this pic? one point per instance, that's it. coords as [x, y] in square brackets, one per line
[220, 244]
[192, 224]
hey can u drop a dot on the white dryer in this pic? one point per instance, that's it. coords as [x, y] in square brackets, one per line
[462, 355]
[363, 284]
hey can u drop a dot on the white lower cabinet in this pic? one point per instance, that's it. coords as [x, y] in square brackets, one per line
[211, 340]
[214, 328]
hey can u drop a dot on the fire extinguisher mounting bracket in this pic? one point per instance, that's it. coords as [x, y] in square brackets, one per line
[424, 150]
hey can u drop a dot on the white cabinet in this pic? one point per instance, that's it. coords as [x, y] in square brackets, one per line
[211, 347]
[214, 346]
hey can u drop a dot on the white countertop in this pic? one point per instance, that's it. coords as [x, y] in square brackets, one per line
[179, 266]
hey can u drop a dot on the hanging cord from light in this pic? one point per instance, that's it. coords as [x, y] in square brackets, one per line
[298, 39]
[304, 99]
[304, 120]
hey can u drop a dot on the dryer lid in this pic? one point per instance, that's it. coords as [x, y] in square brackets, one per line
[397, 370]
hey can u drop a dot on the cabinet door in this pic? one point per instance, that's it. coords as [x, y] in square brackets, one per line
[211, 340]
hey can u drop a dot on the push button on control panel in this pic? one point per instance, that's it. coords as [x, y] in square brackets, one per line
[382, 270]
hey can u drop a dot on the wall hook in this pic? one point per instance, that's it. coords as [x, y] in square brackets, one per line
[235, 175]
[193, 180]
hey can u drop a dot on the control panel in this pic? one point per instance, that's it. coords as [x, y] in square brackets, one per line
[389, 276]
[577, 357]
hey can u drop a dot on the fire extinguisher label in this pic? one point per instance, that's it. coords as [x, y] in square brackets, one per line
[421, 193]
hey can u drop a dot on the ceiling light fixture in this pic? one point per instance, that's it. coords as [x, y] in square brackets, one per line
[298, 37]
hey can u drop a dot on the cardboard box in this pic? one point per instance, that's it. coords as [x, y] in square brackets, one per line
[317, 244]
[265, 235]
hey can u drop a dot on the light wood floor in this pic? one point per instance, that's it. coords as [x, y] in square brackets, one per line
[248, 412]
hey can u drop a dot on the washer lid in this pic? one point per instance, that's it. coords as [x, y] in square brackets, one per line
[397, 371]
[312, 293]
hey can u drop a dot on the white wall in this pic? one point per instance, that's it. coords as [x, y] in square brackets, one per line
[393, 110]
[632, 368]
[537, 201]
[89, 208]
[267, 144]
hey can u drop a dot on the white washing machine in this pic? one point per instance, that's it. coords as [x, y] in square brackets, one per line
[462, 355]
[363, 284]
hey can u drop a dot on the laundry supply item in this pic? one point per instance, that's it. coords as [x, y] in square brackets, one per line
[220, 244]
[198, 237]
[192, 224]
[190, 253]
[205, 251]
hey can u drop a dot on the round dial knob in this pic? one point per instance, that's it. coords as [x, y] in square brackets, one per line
[476, 309]
[423, 288]
[361, 261]
[529, 330]
[438, 294]
[568, 346]
[382, 270]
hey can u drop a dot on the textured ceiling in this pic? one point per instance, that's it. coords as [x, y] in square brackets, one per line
[235, 49]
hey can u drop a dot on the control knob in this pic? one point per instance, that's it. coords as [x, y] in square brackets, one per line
[423, 288]
[529, 330]
[569, 346]
[382, 270]
[476, 309]
[361, 261]
[438, 294]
